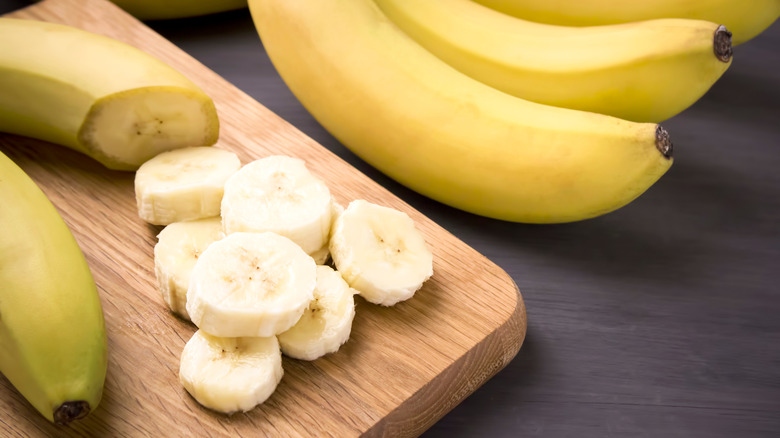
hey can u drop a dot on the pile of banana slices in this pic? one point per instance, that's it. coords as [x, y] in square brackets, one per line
[248, 255]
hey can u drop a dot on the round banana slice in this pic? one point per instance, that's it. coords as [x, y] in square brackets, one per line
[326, 323]
[230, 374]
[179, 245]
[250, 284]
[278, 194]
[380, 253]
[183, 184]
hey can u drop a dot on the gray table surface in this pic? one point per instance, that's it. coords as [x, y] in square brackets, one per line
[660, 319]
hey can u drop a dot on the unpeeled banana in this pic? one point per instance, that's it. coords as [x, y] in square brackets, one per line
[52, 334]
[646, 71]
[446, 135]
[169, 9]
[746, 18]
[97, 95]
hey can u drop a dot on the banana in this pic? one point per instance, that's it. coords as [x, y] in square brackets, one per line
[446, 135]
[97, 95]
[52, 333]
[326, 324]
[183, 184]
[646, 71]
[179, 245]
[230, 374]
[380, 253]
[279, 194]
[170, 9]
[746, 19]
[250, 284]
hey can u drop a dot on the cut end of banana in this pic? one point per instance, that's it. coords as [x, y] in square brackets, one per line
[178, 248]
[183, 184]
[250, 284]
[722, 44]
[380, 253]
[126, 129]
[663, 142]
[326, 324]
[280, 195]
[230, 374]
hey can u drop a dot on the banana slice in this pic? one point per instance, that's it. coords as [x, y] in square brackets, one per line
[183, 184]
[380, 253]
[250, 284]
[230, 374]
[278, 194]
[326, 323]
[179, 245]
[322, 255]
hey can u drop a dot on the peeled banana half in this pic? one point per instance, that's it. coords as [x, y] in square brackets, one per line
[52, 334]
[445, 134]
[97, 95]
[646, 71]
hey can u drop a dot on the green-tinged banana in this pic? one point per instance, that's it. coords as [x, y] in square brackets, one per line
[168, 9]
[446, 135]
[647, 71]
[97, 95]
[745, 19]
[52, 335]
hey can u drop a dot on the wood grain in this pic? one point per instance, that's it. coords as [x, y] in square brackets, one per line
[402, 370]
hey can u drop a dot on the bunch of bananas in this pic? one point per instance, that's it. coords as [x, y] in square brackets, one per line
[496, 115]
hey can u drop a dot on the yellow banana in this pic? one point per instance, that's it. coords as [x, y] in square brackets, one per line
[745, 19]
[168, 9]
[52, 334]
[97, 95]
[646, 71]
[445, 134]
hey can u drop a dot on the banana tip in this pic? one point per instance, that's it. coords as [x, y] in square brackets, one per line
[70, 411]
[663, 142]
[722, 44]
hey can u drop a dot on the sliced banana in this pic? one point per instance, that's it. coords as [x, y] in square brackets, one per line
[230, 374]
[250, 284]
[326, 323]
[380, 253]
[278, 194]
[183, 184]
[322, 255]
[179, 245]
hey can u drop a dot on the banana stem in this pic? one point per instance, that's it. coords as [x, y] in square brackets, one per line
[663, 142]
[722, 43]
[70, 411]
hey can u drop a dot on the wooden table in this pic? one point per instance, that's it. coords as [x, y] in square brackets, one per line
[660, 319]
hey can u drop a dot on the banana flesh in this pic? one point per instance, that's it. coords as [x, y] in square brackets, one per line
[326, 324]
[183, 184]
[230, 374]
[96, 95]
[446, 135]
[250, 284]
[646, 71]
[380, 253]
[255, 295]
[746, 19]
[279, 194]
[179, 245]
[52, 334]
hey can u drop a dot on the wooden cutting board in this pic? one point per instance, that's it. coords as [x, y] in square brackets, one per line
[403, 368]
